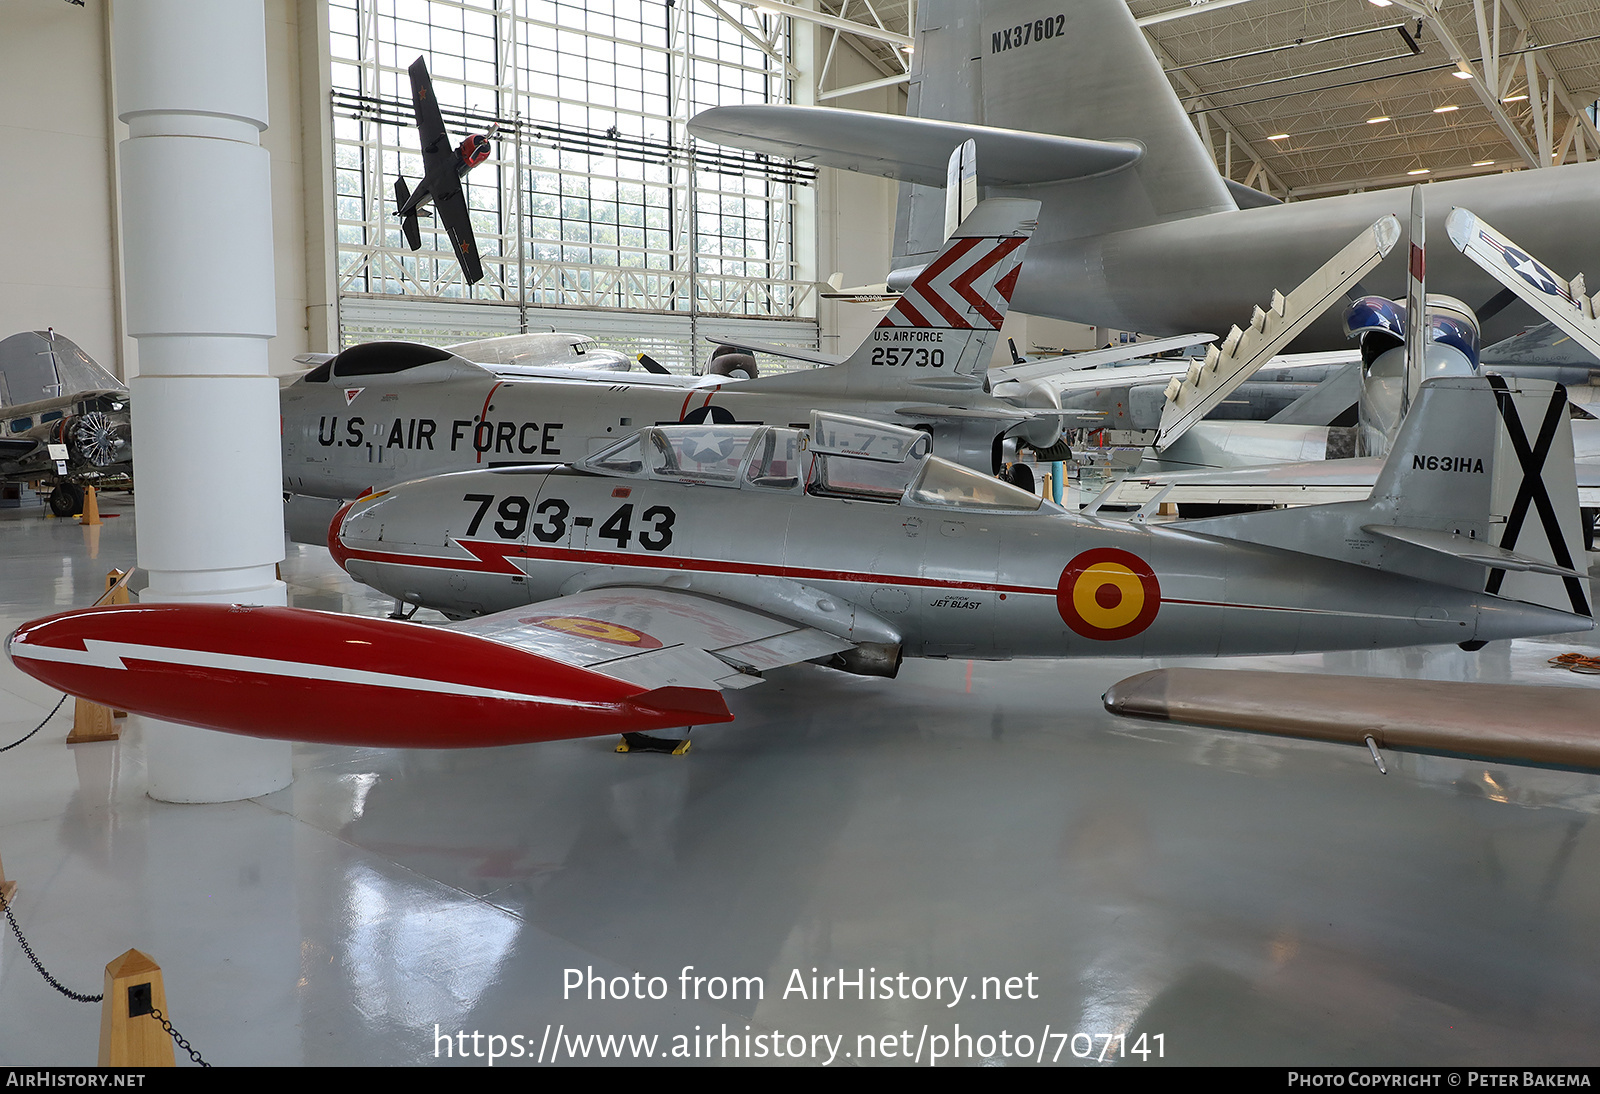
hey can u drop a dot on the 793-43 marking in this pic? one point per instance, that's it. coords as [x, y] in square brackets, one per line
[554, 515]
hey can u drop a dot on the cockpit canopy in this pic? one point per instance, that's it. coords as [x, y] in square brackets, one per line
[839, 456]
[1380, 323]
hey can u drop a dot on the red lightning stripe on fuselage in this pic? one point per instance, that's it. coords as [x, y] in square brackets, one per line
[497, 558]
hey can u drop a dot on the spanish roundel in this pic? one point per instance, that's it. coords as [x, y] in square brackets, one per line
[580, 627]
[1108, 594]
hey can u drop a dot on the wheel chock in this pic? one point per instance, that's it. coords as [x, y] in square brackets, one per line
[643, 742]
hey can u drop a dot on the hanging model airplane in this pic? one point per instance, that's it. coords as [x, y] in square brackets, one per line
[386, 412]
[1139, 231]
[443, 182]
[628, 591]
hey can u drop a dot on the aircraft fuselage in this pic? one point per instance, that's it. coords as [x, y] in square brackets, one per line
[936, 581]
[1193, 273]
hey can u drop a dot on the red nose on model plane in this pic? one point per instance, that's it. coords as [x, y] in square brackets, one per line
[300, 675]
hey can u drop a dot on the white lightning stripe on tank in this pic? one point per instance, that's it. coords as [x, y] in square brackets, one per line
[110, 655]
[960, 289]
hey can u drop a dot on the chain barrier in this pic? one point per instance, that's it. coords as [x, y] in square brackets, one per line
[37, 728]
[177, 1037]
[27, 949]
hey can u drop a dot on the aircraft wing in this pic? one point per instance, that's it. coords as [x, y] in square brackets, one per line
[1242, 352]
[656, 638]
[452, 209]
[909, 149]
[1312, 483]
[1073, 362]
[612, 660]
[1565, 303]
[810, 356]
[430, 126]
[1482, 721]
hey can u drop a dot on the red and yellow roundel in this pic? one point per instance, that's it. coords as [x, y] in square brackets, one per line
[580, 627]
[1107, 594]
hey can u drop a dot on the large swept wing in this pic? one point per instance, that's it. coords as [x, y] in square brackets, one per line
[1242, 352]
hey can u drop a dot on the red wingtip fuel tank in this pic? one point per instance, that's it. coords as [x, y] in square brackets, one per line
[300, 675]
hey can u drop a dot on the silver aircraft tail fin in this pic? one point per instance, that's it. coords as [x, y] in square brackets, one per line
[1081, 70]
[1482, 472]
[1478, 492]
[1416, 303]
[942, 331]
[40, 365]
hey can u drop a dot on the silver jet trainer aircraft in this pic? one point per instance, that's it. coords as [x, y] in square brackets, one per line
[379, 415]
[628, 591]
[1139, 230]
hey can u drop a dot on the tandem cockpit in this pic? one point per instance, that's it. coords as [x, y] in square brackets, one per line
[839, 456]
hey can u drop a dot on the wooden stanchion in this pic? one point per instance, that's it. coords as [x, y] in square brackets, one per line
[8, 889]
[92, 721]
[130, 1036]
[91, 508]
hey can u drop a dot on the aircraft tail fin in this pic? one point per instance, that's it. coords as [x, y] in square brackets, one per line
[408, 218]
[1081, 70]
[941, 333]
[1483, 469]
[1478, 492]
[1416, 303]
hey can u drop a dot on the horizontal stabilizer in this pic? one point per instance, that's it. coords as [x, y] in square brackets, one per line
[1314, 482]
[1072, 362]
[810, 356]
[909, 149]
[1498, 722]
[934, 413]
[1243, 351]
[1471, 550]
[408, 215]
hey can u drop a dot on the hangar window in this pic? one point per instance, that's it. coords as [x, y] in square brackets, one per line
[593, 195]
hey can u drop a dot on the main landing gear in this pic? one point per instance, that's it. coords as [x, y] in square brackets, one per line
[643, 742]
[66, 499]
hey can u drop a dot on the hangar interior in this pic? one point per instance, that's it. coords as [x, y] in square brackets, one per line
[1243, 899]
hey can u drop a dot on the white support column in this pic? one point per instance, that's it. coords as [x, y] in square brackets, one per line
[196, 195]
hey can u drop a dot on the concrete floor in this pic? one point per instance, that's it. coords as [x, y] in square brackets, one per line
[1223, 898]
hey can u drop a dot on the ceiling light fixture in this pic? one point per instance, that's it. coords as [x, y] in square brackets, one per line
[1379, 118]
[1461, 74]
[1278, 137]
[1513, 98]
[1445, 109]
[1418, 171]
[1483, 163]
[1380, 3]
